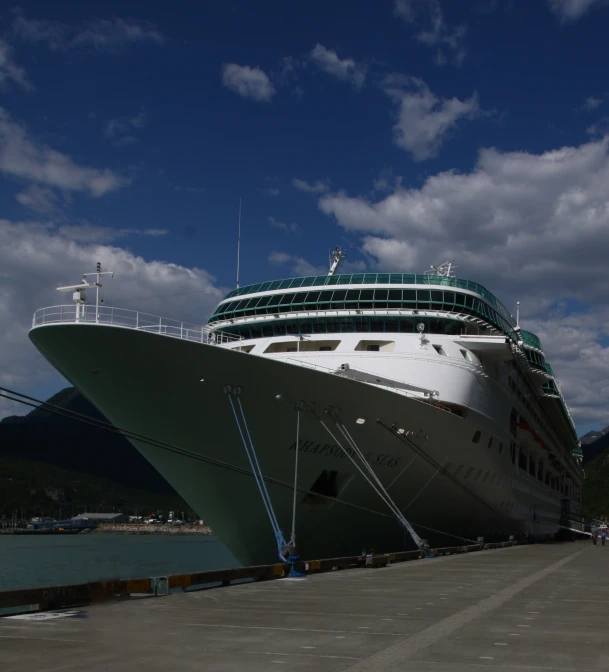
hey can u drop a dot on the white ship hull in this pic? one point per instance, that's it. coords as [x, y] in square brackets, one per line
[171, 390]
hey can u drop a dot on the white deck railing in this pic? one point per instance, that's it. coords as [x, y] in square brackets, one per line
[130, 319]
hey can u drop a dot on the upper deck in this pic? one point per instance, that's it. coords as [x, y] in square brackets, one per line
[378, 292]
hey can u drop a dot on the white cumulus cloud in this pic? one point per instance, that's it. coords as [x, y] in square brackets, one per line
[298, 265]
[252, 83]
[530, 227]
[317, 187]
[112, 34]
[35, 258]
[288, 227]
[434, 31]
[24, 157]
[39, 199]
[424, 120]
[345, 69]
[10, 72]
[120, 131]
[591, 103]
[571, 10]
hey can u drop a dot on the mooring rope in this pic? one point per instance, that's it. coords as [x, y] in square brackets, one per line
[296, 451]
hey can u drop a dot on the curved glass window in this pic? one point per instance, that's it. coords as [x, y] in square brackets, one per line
[371, 324]
[367, 299]
[379, 278]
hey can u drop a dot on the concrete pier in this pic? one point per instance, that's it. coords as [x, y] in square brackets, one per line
[538, 607]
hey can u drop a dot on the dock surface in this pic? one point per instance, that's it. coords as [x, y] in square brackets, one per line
[538, 607]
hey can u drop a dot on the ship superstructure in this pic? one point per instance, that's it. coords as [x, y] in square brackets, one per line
[453, 404]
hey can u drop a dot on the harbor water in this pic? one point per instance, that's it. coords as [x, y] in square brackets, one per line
[32, 561]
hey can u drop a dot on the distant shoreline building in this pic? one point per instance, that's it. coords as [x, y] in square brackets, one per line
[101, 518]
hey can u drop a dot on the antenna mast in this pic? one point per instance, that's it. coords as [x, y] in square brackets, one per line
[238, 243]
[445, 269]
[77, 292]
[335, 258]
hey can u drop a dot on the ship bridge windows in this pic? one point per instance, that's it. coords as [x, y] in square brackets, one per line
[375, 346]
[301, 346]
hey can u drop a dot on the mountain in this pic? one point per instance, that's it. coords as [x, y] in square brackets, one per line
[35, 488]
[595, 491]
[77, 457]
[592, 436]
[594, 444]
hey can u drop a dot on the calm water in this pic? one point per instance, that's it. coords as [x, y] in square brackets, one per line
[27, 562]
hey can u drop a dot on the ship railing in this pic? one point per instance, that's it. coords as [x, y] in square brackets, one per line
[130, 319]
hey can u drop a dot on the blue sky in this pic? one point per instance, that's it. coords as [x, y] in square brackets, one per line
[405, 130]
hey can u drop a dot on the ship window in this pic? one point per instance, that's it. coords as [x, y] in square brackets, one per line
[410, 295]
[436, 297]
[381, 294]
[376, 346]
[312, 297]
[353, 294]
[490, 442]
[466, 355]
[263, 301]
[299, 297]
[291, 350]
[500, 447]
[395, 294]
[339, 295]
[476, 438]
[366, 295]
[522, 461]
[440, 350]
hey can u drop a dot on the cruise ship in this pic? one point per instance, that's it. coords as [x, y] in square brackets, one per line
[371, 405]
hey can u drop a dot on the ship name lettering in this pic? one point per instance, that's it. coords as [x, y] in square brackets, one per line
[333, 450]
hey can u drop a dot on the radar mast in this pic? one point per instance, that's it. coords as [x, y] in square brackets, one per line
[336, 256]
[444, 270]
